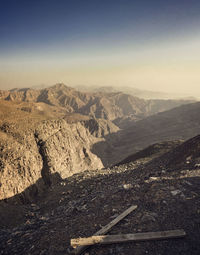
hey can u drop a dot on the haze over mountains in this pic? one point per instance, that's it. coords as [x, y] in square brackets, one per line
[145, 94]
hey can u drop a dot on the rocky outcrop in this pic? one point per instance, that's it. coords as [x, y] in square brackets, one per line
[21, 166]
[66, 147]
[100, 127]
[37, 154]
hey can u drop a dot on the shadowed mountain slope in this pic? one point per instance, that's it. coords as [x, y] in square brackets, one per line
[184, 156]
[180, 123]
[152, 151]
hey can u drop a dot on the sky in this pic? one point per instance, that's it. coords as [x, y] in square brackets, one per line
[153, 45]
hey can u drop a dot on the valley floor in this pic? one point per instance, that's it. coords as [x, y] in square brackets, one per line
[83, 203]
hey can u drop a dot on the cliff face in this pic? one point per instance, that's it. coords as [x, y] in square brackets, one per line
[100, 127]
[34, 156]
[66, 147]
[20, 164]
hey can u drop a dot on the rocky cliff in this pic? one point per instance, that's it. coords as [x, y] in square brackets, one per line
[100, 127]
[54, 146]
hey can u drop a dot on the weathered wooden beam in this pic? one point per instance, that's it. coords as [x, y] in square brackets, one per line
[106, 228]
[108, 239]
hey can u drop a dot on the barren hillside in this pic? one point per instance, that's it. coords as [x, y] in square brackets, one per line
[81, 204]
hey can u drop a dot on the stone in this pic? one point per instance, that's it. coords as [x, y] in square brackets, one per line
[176, 192]
[127, 186]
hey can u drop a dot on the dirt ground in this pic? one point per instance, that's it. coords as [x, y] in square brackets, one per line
[82, 204]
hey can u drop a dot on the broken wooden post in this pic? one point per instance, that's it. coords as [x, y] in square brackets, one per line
[108, 239]
[106, 228]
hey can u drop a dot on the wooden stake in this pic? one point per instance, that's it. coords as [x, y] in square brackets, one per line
[108, 239]
[106, 228]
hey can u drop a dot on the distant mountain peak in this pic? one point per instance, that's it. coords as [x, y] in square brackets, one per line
[61, 86]
[19, 89]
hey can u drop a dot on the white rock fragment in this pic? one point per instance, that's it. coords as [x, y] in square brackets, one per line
[127, 186]
[176, 192]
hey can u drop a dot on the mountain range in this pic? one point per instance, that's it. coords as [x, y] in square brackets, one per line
[118, 107]
[62, 130]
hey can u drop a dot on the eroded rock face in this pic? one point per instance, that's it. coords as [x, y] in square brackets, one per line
[100, 127]
[29, 161]
[21, 165]
[67, 147]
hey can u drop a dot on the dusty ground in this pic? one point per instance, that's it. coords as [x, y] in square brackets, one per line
[80, 205]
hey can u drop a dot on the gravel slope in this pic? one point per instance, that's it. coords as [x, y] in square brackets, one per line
[80, 205]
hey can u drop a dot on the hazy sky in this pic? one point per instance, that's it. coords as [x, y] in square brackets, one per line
[147, 44]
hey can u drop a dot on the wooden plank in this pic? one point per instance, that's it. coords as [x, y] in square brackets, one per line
[106, 228]
[107, 239]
